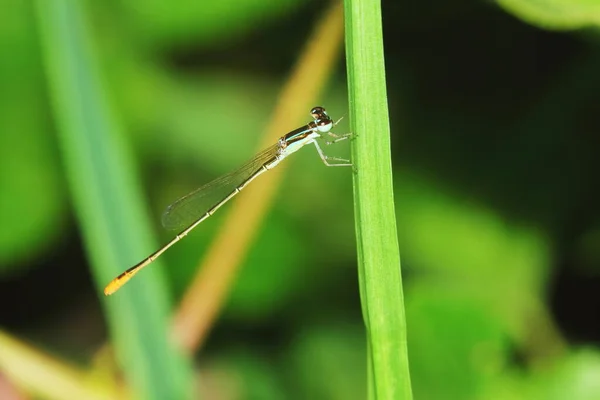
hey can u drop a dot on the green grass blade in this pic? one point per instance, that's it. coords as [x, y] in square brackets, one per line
[378, 254]
[109, 205]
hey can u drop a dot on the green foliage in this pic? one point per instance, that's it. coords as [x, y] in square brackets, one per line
[32, 200]
[335, 352]
[556, 14]
[160, 22]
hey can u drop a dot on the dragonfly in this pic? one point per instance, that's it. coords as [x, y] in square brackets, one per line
[194, 208]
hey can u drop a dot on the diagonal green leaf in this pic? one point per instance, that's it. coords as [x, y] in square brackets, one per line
[109, 205]
[378, 254]
[555, 14]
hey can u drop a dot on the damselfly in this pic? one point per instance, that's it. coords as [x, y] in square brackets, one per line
[189, 211]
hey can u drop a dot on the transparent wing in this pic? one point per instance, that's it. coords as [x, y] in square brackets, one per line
[194, 205]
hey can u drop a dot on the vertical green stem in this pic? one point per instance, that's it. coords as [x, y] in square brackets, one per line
[378, 253]
[108, 203]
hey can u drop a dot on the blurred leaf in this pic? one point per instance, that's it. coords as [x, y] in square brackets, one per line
[448, 233]
[574, 377]
[108, 202]
[212, 121]
[199, 21]
[32, 203]
[511, 384]
[556, 14]
[456, 340]
[328, 362]
[42, 375]
[239, 373]
[270, 277]
[503, 266]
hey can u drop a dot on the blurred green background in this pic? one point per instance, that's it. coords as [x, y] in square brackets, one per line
[494, 123]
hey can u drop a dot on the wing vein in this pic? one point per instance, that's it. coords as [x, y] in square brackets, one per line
[195, 204]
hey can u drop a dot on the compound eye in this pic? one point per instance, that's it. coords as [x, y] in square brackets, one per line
[324, 125]
[318, 112]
